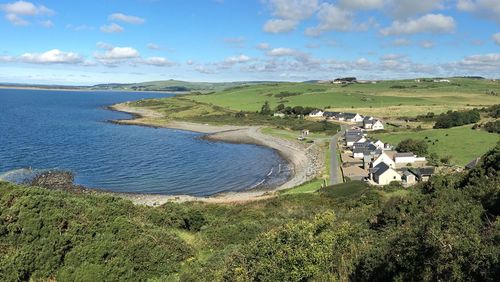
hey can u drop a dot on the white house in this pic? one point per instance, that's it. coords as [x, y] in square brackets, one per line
[382, 174]
[373, 124]
[379, 144]
[353, 117]
[316, 113]
[377, 125]
[384, 158]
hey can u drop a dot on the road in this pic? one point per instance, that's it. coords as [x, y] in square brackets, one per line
[335, 174]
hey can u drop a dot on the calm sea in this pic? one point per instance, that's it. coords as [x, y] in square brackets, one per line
[70, 131]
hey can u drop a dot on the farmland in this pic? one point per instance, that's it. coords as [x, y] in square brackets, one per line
[383, 99]
[461, 143]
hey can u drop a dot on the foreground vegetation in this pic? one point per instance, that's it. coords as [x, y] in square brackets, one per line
[446, 229]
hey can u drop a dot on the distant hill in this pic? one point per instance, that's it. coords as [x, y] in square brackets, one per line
[174, 86]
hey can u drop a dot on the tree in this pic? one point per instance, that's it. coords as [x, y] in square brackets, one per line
[418, 147]
[280, 107]
[265, 110]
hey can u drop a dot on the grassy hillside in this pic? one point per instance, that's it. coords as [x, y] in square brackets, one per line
[345, 232]
[461, 143]
[413, 97]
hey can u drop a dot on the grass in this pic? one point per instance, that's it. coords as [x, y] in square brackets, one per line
[348, 189]
[462, 143]
[413, 98]
[309, 187]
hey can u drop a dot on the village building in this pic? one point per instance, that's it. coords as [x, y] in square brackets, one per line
[382, 174]
[423, 174]
[372, 124]
[404, 158]
[354, 136]
[384, 158]
[352, 117]
[316, 114]
[409, 178]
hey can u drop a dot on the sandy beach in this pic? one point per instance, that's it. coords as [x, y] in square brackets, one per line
[307, 159]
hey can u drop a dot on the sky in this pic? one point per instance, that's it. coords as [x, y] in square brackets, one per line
[124, 41]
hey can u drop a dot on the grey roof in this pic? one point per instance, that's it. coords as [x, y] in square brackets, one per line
[366, 150]
[315, 112]
[349, 115]
[402, 155]
[331, 114]
[353, 138]
[380, 169]
[423, 171]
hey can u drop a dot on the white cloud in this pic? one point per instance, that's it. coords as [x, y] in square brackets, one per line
[54, 56]
[483, 8]
[153, 46]
[47, 23]
[431, 23]
[496, 38]
[263, 46]
[235, 42]
[157, 61]
[401, 42]
[16, 20]
[237, 59]
[361, 4]
[112, 28]
[293, 9]
[26, 9]
[332, 17]
[427, 44]
[116, 54]
[16, 11]
[280, 25]
[81, 27]
[482, 63]
[281, 52]
[126, 18]
[288, 14]
[6, 59]
[404, 9]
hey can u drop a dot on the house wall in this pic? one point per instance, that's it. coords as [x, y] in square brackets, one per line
[404, 160]
[378, 126]
[388, 177]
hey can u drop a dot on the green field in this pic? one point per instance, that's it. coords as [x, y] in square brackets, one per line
[462, 143]
[412, 96]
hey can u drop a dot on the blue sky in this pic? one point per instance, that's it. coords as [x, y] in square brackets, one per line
[88, 42]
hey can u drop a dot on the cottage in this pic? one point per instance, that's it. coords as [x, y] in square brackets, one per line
[316, 114]
[281, 115]
[331, 115]
[409, 178]
[404, 158]
[305, 132]
[367, 148]
[424, 173]
[379, 144]
[382, 174]
[352, 117]
[354, 136]
[384, 158]
[372, 124]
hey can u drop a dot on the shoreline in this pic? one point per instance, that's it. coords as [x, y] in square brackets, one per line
[302, 158]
